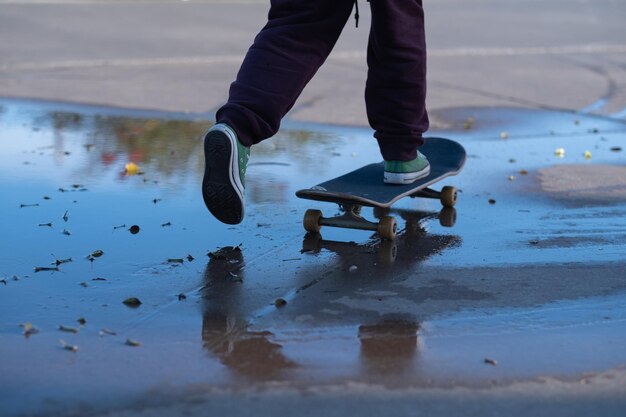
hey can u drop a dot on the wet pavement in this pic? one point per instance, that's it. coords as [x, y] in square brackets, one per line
[522, 283]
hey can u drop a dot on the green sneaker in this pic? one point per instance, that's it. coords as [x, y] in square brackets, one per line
[406, 172]
[223, 184]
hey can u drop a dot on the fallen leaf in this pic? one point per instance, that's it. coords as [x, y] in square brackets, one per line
[131, 342]
[68, 329]
[491, 361]
[81, 321]
[46, 268]
[29, 329]
[132, 302]
[110, 332]
[67, 346]
[280, 302]
[175, 261]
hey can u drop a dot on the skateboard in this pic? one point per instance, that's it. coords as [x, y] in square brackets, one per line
[364, 187]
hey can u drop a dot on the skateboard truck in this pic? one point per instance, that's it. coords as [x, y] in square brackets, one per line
[387, 227]
[350, 219]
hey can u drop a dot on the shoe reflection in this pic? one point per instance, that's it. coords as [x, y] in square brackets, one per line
[389, 346]
[225, 333]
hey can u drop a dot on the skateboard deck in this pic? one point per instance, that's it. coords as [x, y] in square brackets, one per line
[365, 187]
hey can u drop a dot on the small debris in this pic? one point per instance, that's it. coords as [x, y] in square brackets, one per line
[353, 268]
[132, 302]
[96, 254]
[121, 226]
[45, 225]
[560, 152]
[104, 331]
[156, 200]
[134, 229]
[182, 297]
[280, 302]
[587, 155]
[62, 261]
[576, 122]
[66, 232]
[67, 346]
[46, 268]
[523, 172]
[175, 261]
[131, 342]
[29, 329]
[131, 169]
[511, 178]
[68, 329]
[469, 123]
[504, 135]
[616, 149]
[3, 281]
[98, 279]
[492, 201]
[83, 284]
[65, 216]
[512, 160]
[491, 361]
[29, 205]
[166, 224]
[45, 197]
[81, 321]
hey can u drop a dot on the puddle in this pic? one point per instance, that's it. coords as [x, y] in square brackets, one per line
[513, 273]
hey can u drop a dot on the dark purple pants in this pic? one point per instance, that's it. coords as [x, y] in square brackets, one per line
[295, 42]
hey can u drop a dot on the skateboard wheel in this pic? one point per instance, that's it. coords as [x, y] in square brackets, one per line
[312, 221]
[448, 196]
[447, 216]
[387, 227]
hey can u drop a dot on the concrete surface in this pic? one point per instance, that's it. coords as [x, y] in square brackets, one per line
[512, 304]
[182, 55]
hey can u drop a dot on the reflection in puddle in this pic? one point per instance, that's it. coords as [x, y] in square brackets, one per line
[528, 280]
[225, 332]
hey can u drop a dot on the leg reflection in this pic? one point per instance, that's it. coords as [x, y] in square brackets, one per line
[390, 346]
[225, 331]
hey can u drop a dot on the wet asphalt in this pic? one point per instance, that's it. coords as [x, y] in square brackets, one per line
[120, 295]
[523, 282]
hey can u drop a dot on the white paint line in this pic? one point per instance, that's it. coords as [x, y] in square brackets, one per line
[337, 56]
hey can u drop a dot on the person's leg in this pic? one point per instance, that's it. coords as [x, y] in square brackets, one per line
[395, 92]
[285, 55]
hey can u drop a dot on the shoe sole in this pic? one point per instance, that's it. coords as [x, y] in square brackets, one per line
[403, 178]
[220, 190]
